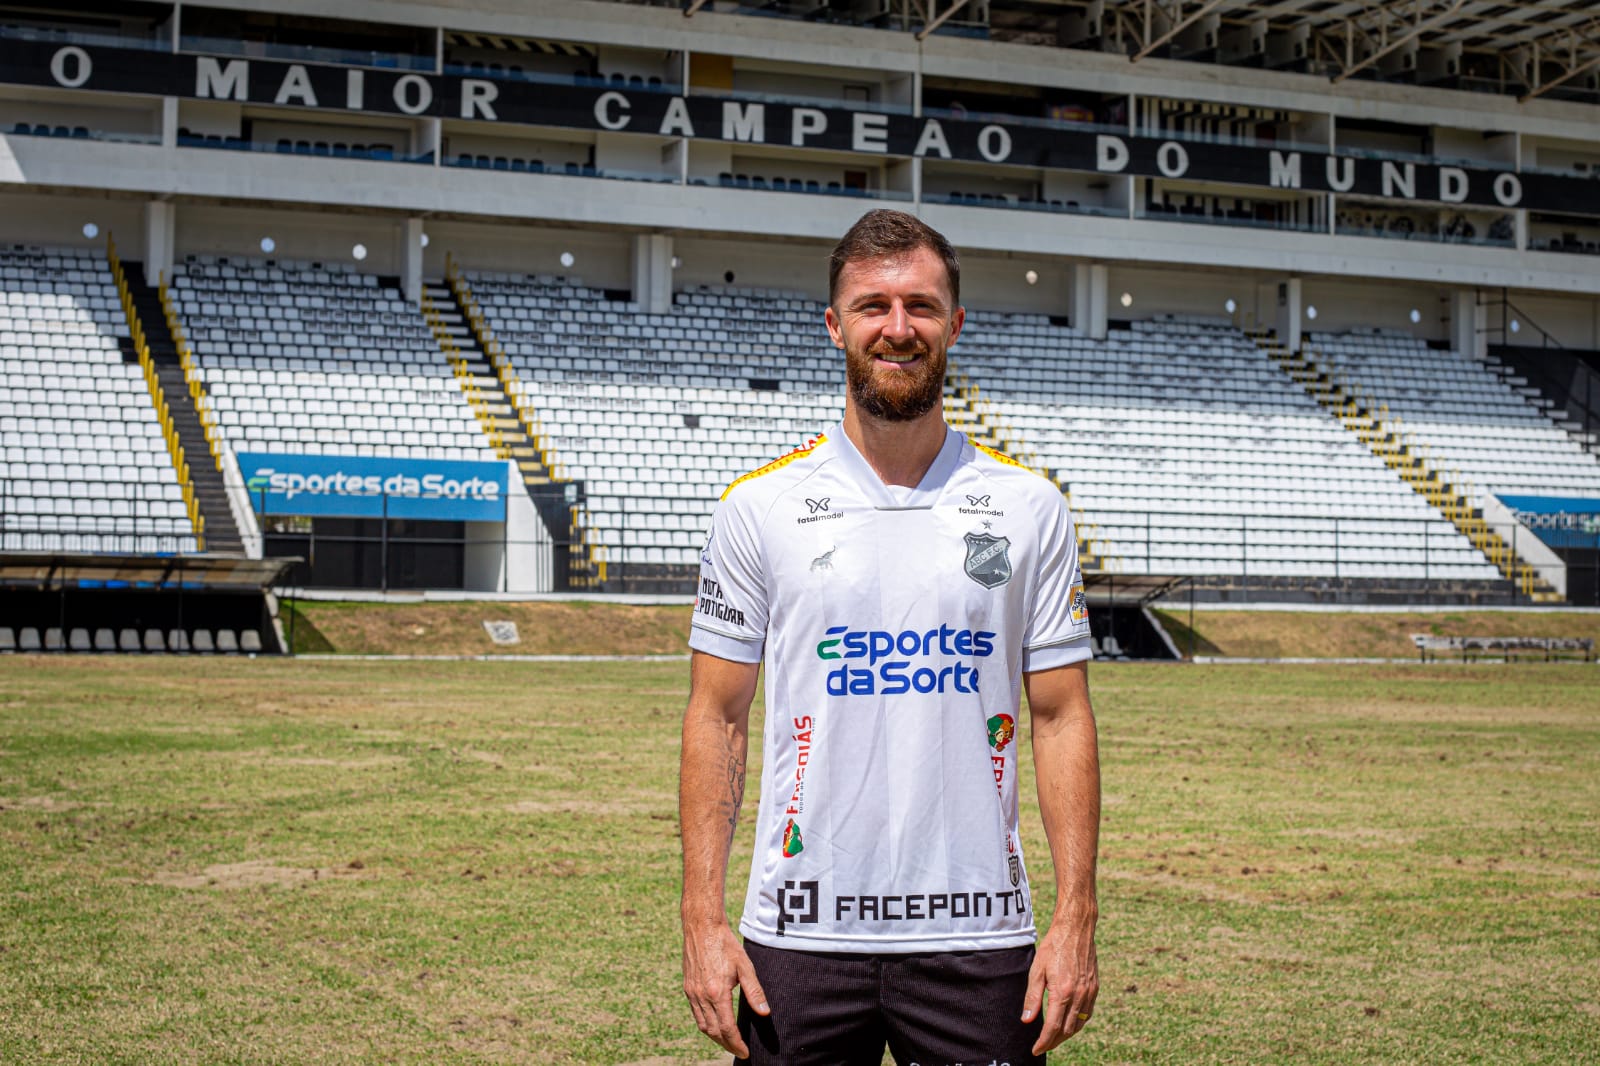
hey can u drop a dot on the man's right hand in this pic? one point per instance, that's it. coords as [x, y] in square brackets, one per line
[714, 964]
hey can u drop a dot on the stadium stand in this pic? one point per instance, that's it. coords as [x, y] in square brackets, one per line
[656, 413]
[1470, 420]
[1232, 161]
[299, 356]
[85, 466]
[1179, 439]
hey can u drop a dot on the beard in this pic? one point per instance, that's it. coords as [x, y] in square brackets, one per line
[899, 395]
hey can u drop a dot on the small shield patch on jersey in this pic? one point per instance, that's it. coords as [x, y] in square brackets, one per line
[987, 560]
[1080, 604]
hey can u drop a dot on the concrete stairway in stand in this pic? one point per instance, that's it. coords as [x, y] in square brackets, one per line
[221, 532]
[1371, 425]
[968, 412]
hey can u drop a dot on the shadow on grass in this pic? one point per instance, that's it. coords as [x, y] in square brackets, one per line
[1188, 641]
[303, 636]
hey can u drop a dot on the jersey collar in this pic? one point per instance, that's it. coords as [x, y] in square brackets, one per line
[899, 497]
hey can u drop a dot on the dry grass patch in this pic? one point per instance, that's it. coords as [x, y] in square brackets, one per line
[554, 628]
[1345, 635]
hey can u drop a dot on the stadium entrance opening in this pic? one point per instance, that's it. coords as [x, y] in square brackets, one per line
[371, 553]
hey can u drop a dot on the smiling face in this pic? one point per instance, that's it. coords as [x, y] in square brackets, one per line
[895, 318]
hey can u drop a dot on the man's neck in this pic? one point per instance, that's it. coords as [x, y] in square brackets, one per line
[900, 453]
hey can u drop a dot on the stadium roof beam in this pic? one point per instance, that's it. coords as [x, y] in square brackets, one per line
[1574, 68]
[1180, 24]
[939, 20]
[1418, 28]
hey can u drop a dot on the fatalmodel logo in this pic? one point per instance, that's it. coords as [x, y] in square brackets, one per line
[340, 483]
[818, 511]
[885, 676]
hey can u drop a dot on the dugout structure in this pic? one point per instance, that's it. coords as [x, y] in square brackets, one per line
[80, 602]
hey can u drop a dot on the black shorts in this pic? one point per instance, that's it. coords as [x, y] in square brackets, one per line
[931, 1009]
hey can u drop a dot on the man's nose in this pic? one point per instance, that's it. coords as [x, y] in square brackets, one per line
[897, 330]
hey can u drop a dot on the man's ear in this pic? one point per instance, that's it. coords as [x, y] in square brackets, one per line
[957, 320]
[835, 327]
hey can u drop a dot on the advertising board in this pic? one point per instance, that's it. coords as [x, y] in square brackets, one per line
[350, 486]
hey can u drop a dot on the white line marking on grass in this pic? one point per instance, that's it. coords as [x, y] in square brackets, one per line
[500, 658]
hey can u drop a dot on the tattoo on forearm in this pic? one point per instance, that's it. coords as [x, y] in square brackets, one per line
[735, 792]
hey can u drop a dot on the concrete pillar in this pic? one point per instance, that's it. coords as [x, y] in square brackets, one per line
[1287, 321]
[652, 273]
[1469, 334]
[411, 259]
[1089, 281]
[428, 137]
[169, 121]
[160, 227]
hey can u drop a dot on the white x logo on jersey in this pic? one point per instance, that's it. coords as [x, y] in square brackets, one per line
[818, 505]
[977, 501]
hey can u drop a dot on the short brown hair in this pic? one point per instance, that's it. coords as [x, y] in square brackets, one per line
[882, 233]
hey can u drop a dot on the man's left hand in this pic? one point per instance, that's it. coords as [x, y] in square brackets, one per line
[1066, 968]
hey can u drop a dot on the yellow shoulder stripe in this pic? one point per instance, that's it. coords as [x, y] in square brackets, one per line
[778, 463]
[1002, 457]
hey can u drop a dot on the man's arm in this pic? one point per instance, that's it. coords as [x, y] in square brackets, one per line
[1066, 761]
[710, 792]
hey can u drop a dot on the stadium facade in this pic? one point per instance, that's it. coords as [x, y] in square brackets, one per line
[1292, 299]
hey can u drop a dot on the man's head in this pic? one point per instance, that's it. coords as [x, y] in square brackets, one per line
[893, 306]
[885, 234]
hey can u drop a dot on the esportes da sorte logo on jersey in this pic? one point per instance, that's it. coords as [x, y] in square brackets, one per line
[886, 676]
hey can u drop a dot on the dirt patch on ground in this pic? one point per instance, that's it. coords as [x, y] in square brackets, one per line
[37, 803]
[232, 875]
[372, 762]
[595, 807]
[457, 628]
[1329, 635]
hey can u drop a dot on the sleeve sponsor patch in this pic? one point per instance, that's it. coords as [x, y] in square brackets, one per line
[1080, 605]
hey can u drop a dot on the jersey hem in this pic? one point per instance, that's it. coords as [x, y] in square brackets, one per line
[1062, 653]
[889, 945]
[723, 646]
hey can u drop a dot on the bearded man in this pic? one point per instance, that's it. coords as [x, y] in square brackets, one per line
[888, 901]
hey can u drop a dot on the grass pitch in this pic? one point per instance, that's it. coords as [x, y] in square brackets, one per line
[231, 861]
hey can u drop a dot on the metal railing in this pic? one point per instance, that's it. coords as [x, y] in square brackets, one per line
[1413, 553]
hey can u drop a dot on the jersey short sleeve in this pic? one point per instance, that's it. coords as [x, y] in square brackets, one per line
[730, 612]
[1058, 628]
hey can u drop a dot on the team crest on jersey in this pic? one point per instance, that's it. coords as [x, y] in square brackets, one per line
[987, 560]
[792, 844]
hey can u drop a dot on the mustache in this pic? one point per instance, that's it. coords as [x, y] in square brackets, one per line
[883, 347]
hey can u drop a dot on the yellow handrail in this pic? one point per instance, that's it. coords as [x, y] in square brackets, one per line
[158, 398]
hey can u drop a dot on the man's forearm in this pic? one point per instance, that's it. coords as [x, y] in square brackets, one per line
[1067, 767]
[711, 792]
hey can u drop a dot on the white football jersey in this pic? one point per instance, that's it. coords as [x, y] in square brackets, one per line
[896, 624]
